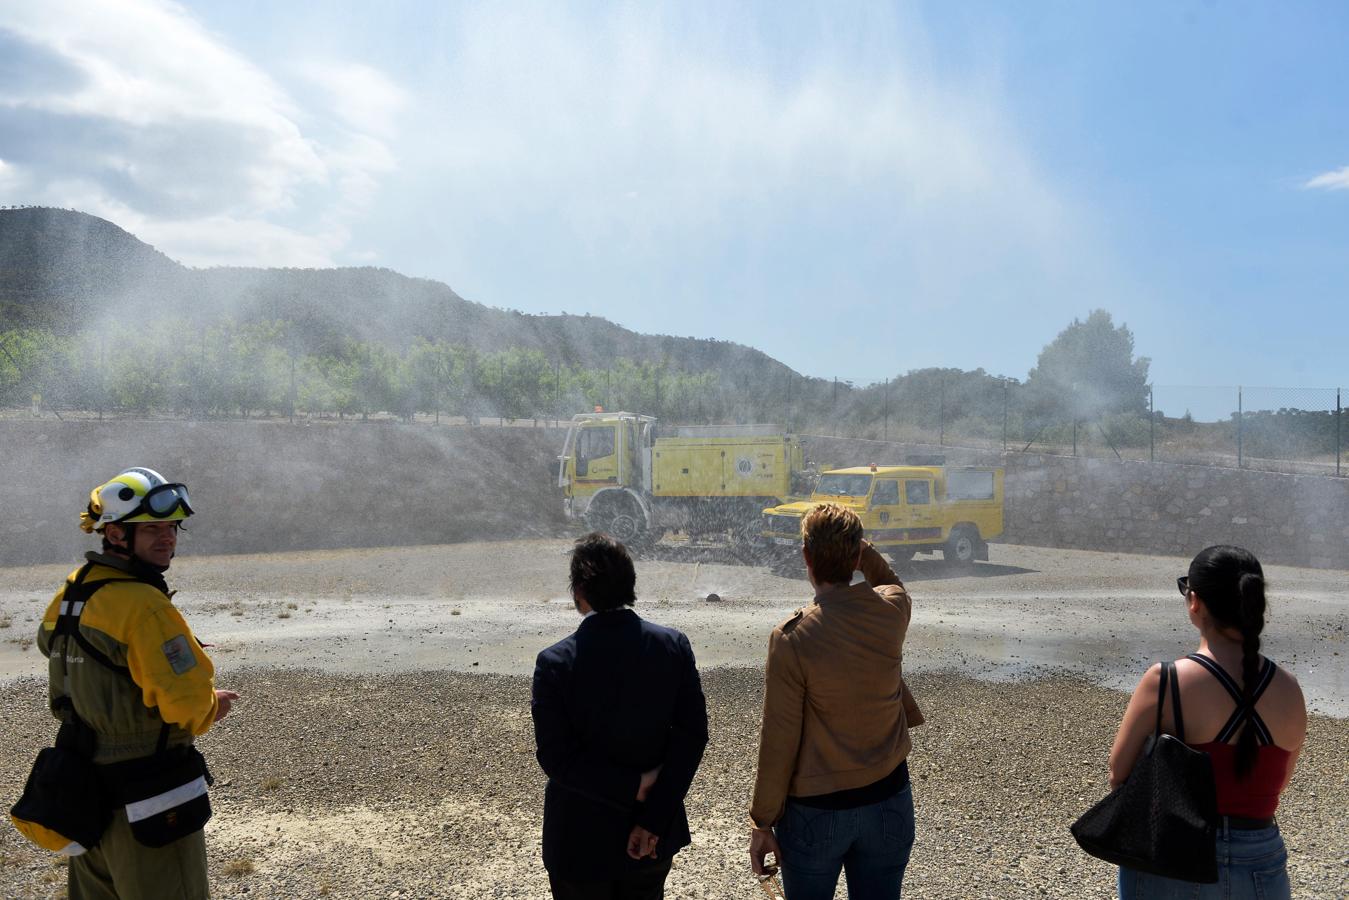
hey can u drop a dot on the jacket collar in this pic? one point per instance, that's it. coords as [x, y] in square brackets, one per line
[134, 568]
[844, 591]
[607, 618]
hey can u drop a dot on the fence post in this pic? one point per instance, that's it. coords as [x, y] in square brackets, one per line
[941, 415]
[833, 409]
[1074, 435]
[1337, 431]
[1239, 418]
[1006, 392]
[1152, 427]
[887, 409]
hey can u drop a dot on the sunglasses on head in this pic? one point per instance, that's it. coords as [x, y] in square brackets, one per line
[1183, 582]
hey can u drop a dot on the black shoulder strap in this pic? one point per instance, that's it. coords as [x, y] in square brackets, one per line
[1219, 673]
[1244, 711]
[1161, 697]
[76, 595]
[73, 601]
[1175, 702]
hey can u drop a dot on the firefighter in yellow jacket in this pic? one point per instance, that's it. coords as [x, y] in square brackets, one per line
[133, 672]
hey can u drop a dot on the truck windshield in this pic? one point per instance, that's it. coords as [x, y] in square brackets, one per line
[844, 485]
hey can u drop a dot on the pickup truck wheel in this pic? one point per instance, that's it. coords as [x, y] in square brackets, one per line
[960, 550]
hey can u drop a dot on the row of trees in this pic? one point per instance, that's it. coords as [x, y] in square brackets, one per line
[253, 371]
[1086, 381]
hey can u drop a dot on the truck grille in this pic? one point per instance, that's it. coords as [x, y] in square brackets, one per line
[782, 524]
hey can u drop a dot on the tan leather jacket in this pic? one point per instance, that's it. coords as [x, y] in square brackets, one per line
[836, 710]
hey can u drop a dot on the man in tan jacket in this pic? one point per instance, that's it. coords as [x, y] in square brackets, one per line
[832, 791]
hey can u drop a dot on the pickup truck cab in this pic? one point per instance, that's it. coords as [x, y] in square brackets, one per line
[907, 509]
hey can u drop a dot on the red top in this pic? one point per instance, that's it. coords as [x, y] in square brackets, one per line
[1257, 795]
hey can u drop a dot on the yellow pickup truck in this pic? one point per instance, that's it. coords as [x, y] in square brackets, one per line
[907, 509]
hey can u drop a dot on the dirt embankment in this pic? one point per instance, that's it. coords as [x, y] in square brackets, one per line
[261, 486]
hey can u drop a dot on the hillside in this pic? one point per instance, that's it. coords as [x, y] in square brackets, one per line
[65, 271]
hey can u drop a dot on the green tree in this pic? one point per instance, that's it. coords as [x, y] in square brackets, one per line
[1089, 372]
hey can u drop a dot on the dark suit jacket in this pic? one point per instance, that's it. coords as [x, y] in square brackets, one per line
[617, 698]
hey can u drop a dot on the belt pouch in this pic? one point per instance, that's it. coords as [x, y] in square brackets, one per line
[165, 794]
[65, 807]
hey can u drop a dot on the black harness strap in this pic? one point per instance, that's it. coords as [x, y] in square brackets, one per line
[1161, 697]
[75, 597]
[68, 619]
[1245, 712]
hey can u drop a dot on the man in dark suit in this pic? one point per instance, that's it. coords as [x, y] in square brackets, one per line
[620, 724]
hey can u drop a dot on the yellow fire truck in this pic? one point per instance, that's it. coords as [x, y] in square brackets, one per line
[627, 475]
[906, 509]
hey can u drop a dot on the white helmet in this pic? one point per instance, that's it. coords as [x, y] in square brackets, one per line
[137, 495]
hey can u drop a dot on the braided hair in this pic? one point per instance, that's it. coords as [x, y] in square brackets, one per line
[1230, 583]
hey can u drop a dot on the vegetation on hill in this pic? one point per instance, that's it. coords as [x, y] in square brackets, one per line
[92, 318]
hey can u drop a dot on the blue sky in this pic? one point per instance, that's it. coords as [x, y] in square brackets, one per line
[857, 190]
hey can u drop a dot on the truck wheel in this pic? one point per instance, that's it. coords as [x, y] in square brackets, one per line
[621, 520]
[960, 550]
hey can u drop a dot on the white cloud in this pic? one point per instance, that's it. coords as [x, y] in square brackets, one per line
[136, 109]
[364, 97]
[1337, 180]
[537, 112]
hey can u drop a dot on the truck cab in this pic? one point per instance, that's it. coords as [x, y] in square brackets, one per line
[907, 509]
[604, 452]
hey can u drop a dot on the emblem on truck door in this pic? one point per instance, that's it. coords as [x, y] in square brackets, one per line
[744, 465]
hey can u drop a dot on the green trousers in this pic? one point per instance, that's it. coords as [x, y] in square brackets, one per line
[122, 868]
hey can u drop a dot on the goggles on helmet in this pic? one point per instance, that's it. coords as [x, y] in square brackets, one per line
[164, 500]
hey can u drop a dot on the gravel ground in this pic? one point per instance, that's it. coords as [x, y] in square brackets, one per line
[321, 793]
[490, 607]
[383, 745]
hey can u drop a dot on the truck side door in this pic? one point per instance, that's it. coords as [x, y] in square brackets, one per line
[597, 457]
[921, 512]
[885, 511]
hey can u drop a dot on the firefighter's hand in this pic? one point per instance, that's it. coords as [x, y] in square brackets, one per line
[224, 703]
[644, 787]
[642, 843]
[761, 843]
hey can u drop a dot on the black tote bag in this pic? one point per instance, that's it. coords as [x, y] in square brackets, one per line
[1163, 819]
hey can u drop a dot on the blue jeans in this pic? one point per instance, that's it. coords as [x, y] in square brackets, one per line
[870, 843]
[1252, 865]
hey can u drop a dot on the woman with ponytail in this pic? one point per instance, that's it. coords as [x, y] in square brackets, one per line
[1239, 707]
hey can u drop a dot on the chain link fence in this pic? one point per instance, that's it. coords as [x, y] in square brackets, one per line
[1277, 429]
